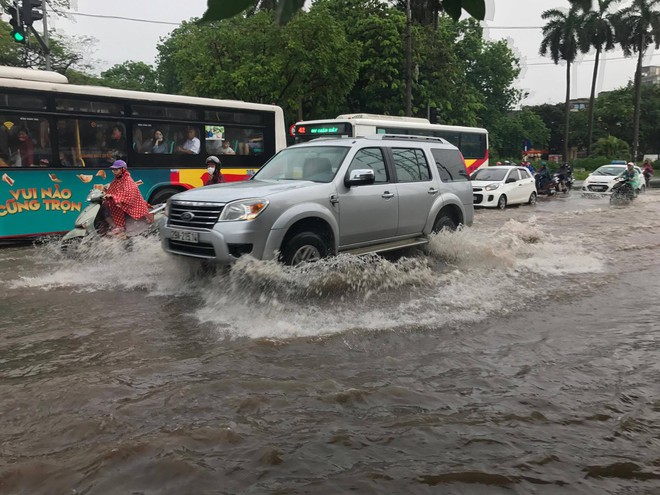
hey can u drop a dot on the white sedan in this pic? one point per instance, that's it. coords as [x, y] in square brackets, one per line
[500, 186]
[601, 180]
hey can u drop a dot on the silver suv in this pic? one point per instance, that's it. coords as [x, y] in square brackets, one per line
[312, 200]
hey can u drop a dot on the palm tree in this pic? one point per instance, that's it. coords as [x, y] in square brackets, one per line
[560, 40]
[636, 28]
[597, 32]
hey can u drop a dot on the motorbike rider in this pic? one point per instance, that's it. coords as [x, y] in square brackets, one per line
[564, 173]
[630, 176]
[647, 171]
[542, 177]
[213, 168]
[123, 198]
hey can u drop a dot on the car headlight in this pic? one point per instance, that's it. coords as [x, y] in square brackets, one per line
[491, 187]
[244, 209]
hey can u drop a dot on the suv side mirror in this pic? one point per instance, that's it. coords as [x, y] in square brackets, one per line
[360, 177]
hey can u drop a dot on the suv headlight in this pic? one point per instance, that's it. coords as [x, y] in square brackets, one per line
[244, 209]
[491, 187]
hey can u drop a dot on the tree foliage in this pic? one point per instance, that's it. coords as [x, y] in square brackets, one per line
[561, 43]
[343, 56]
[131, 75]
[286, 9]
[66, 52]
[638, 27]
[611, 146]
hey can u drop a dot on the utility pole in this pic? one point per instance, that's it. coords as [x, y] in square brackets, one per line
[45, 24]
[408, 61]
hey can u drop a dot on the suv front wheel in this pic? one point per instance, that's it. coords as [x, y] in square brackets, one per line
[304, 247]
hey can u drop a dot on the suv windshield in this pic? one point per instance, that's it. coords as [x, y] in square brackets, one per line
[313, 163]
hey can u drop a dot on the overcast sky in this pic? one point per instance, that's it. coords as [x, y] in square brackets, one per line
[517, 21]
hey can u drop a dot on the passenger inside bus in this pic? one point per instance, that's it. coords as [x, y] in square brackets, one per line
[191, 145]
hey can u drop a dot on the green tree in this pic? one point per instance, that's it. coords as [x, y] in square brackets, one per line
[286, 9]
[508, 133]
[560, 40]
[638, 27]
[552, 116]
[131, 75]
[597, 32]
[611, 147]
[306, 66]
[66, 53]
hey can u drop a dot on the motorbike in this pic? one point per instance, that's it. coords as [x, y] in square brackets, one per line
[547, 187]
[564, 182]
[91, 224]
[623, 192]
[647, 178]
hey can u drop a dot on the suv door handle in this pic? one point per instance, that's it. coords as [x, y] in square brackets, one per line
[387, 195]
[432, 190]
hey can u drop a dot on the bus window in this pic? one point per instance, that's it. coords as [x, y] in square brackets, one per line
[23, 101]
[451, 136]
[90, 143]
[473, 145]
[25, 142]
[237, 140]
[164, 112]
[151, 138]
[89, 106]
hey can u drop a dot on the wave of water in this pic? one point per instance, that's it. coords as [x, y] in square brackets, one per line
[460, 277]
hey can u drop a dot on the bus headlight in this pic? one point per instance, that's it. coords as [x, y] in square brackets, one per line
[244, 209]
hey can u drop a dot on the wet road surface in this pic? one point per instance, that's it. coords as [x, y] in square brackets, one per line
[518, 356]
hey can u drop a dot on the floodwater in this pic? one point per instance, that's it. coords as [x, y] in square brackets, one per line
[521, 355]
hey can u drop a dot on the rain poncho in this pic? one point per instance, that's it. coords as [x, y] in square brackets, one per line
[126, 200]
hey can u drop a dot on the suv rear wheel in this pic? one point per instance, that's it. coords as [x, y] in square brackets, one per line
[304, 247]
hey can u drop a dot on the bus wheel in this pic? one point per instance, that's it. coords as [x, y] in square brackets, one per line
[163, 195]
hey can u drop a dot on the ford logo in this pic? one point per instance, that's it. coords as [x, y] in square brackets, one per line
[187, 216]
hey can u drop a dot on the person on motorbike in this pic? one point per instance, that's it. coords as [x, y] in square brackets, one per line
[564, 174]
[213, 167]
[631, 177]
[123, 198]
[647, 171]
[542, 177]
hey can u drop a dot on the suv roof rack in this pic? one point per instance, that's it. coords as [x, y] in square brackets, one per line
[409, 137]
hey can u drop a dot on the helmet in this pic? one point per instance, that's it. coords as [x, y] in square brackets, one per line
[213, 159]
[119, 164]
[631, 164]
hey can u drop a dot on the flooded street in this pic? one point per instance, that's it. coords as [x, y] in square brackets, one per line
[521, 356]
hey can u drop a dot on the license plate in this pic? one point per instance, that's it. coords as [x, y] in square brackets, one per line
[184, 236]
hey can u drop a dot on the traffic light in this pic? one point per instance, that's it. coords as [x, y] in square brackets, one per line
[31, 10]
[17, 29]
[433, 115]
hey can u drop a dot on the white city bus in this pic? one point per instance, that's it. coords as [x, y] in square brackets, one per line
[472, 141]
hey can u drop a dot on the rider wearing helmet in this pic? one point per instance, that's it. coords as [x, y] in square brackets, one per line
[213, 167]
[123, 198]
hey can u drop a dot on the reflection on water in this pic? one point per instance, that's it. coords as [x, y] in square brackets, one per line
[514, 356]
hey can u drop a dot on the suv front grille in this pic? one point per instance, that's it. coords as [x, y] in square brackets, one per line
[194, 214]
